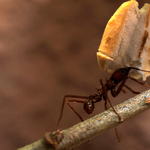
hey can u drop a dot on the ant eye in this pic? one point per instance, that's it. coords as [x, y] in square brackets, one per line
[122, 71]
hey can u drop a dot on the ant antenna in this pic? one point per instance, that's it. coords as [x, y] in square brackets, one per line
[138, 69]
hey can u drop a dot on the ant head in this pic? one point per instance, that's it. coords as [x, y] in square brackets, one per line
[120, 74]
[89, 106]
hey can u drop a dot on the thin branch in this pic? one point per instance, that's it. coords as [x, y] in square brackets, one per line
[94, 126]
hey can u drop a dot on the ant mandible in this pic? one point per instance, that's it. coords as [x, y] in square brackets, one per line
[119, 76]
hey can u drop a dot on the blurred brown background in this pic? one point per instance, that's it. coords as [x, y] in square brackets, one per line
[48, 49]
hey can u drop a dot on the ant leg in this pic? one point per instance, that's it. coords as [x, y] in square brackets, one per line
[75, 101]
[114, 128]
[106, 98]
[114, 109]
[134, 92]
[63, 103]
[144, 84]
[117, 135]
[123, 90]
[115, 93]
[105, 105]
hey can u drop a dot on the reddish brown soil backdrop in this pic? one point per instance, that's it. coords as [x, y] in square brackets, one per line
[48, 49]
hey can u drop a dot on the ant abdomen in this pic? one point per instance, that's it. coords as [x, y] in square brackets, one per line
[89, 106]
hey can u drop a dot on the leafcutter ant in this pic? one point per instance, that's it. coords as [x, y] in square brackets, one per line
[119, 76]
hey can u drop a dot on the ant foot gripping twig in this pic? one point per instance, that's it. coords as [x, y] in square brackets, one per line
[54, 138]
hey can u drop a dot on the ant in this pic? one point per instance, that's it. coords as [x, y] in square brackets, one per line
[119, 76]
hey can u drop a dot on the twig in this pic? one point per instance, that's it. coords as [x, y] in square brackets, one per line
[94, 126]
